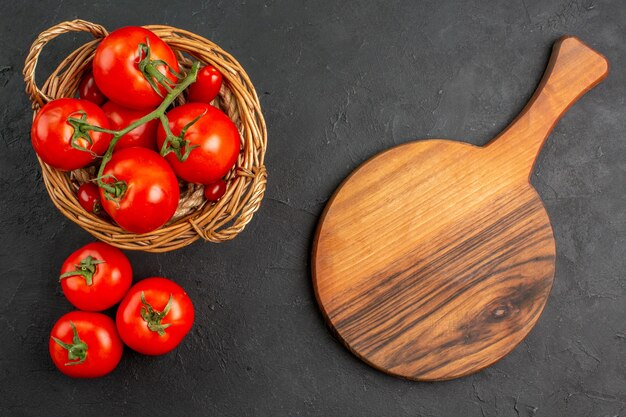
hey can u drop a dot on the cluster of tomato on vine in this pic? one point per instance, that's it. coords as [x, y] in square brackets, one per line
[126, 124]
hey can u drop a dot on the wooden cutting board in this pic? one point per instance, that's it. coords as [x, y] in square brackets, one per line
[434, 259]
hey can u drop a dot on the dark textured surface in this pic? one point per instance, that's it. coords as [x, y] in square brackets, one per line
[339, 82]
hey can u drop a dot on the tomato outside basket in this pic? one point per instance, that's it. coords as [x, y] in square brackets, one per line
[195, 217]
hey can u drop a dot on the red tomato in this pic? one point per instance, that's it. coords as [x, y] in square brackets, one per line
[88, 90]
[206, 87]
[51, 134]
[120, 117]
[116, 67]
[96, 277]
[85, 345]
[215, 135]
[215, 191]
[89, 198]
[155, 316]
[152, 190]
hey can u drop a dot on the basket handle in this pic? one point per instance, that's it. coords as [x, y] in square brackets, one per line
[34, 93]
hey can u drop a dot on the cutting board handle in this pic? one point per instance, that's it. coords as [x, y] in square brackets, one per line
[574, 69]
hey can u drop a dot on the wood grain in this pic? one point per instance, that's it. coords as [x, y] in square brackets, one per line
[434, 259]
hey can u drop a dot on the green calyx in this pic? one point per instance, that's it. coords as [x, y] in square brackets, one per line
[97, 208]
[177, 144]
[154, 317]
[81, 131]
[86, 268]
[76, 351]
[114, 189]
[151, 73]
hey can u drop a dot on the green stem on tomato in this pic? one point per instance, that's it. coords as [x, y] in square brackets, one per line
[152, 72]
[154, 317]
[76, 351]
[168, 133]
[86, 268]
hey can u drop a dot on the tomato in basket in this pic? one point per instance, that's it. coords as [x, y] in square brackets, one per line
[88, 90]
[128, 65]
[59, 144]
[120, 117]
[213, 136]
[151, 195]
[206, 87]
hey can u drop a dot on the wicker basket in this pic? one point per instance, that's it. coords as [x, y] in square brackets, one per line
[195, 217]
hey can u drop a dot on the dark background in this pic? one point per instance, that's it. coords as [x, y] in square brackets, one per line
[338, 82]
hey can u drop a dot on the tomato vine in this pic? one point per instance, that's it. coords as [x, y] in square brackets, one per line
[114, 189]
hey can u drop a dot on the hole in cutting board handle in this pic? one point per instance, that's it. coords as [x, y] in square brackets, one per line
[574, 68]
